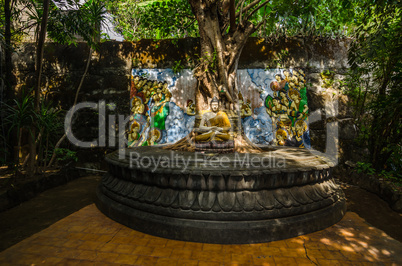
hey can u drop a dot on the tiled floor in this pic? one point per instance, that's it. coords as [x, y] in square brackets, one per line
[88, 237]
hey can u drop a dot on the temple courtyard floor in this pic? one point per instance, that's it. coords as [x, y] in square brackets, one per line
[87, 237]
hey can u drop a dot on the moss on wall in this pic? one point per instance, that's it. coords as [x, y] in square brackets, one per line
[110, 70]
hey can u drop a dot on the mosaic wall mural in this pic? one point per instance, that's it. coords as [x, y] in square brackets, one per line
[274, 108]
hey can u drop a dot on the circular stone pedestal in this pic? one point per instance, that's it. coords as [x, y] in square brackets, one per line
[221, 198]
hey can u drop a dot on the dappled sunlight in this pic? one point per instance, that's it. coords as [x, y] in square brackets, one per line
[88, 236]
[354, 240]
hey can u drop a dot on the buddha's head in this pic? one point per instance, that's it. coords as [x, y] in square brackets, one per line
[215, 105]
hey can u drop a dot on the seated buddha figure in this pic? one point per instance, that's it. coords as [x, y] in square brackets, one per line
[214, 126]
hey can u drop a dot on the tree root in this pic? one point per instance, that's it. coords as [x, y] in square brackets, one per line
[241, 142]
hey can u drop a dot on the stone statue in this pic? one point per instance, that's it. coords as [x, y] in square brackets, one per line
[214, 126]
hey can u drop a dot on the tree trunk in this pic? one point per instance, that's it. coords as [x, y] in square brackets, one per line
[220, 54]
[39, 58]
[7, 51]
[217, 70]
[8, 93]
[75, 102]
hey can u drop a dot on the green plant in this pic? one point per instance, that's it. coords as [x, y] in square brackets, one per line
[210, 60]
[362, 167]
[374, 80]
[20, 116]
[281, 58]
[66, 155]
[50, 128]
[136, 62]
[327, 77]
[177, 67]
[89, 18]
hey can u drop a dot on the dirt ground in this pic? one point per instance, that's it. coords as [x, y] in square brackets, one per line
[54, 204]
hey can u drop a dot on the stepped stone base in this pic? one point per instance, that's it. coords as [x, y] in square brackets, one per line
[221, 198]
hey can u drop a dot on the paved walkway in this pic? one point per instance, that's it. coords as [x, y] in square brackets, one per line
[88, 237]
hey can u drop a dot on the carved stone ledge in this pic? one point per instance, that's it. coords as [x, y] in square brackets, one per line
[189, 203]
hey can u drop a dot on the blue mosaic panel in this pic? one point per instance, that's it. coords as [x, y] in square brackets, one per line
[273, 103]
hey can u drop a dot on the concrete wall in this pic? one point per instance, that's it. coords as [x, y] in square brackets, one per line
[110, 70]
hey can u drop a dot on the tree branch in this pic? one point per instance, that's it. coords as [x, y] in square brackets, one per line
[241, 12]
[258, 25]
[247, 8]
[258, 8]
[240, 4]
[232, 15]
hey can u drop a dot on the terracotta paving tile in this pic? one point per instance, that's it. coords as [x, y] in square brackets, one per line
[87, 237]
[316, 245]
[73, 243]
[69, 253]
[162, 252]
[30, 259]
[146, 260]
[304, 262]
[328, 262]
[92, 229]
[332, 255]
[316, 253]
[247, 249]
[175, 244]
[123, 232]
[77, 228]
[75, 236]
[104, 238]
[267, 251]
[232, 248]
[108, 247]
[52, 261]
[141, 250]
[107, 231]
[212, 247]
[184, 262]
[263, 260]
[293, 252]
[213, 256]
[159, 242]
[181, 253]
[90, 245]
[106, 257]
[294, 242]
[87, 255]
[278, 244]
[40, 239]
[193, 246]
[138, 241]
[126, 259]
[242, 259]
[121, 240]
[90, 237]
[285, 261]
[208, 263]
[76, 262]
[166, 262]
[125, 249]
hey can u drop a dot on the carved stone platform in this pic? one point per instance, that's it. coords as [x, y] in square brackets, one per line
[221, 198]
